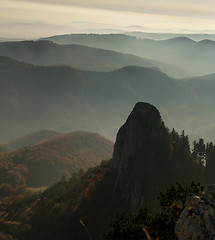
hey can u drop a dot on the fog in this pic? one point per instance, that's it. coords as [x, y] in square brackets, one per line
[66, 99]
[197, 58]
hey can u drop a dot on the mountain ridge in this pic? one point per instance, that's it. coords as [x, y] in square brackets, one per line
[31, 139]
[195, 57]
[79, 56]
[66, 99]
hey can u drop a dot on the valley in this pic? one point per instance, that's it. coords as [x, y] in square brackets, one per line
[94, 125]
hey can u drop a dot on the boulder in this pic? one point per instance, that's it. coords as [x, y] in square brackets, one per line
[197, 221]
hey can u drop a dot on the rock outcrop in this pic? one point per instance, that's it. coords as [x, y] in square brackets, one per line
[137, 143]
[197, 221]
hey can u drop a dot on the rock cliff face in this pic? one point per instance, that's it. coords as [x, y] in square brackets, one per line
[197, 221]
[137, 143]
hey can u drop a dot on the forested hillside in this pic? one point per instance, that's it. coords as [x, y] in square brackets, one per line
[46, 162]
[31, 139]
[107, 120]
[147, 159]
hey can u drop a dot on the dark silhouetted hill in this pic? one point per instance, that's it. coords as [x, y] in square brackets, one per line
[35, 97]
[120, 89]
[65, 99]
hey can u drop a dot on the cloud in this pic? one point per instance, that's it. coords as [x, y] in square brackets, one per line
[49, 16]
[196, 8]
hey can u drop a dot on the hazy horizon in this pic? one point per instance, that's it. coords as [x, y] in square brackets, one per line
[35, 19]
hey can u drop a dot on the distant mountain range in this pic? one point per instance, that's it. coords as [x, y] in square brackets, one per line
[164, 36]
[77, 92]
[10, 39]
[46, 53]
[36, 96]
[66, 99]
[197, 58]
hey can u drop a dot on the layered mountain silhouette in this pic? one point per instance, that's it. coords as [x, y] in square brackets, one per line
[47, 53]
[195, 57]
[34, 98]
[62, 88]
[163, 36]
[65, 99]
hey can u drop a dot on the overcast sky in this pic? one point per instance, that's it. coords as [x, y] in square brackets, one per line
[35, 18]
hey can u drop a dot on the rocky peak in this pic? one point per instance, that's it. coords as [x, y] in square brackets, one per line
[143, 125]
[134, 149]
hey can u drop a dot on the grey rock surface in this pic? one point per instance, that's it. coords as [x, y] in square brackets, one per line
[197, 221]
[142, 131]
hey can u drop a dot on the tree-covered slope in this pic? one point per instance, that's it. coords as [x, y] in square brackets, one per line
[31, 139]
[47, 161]
[147, 159]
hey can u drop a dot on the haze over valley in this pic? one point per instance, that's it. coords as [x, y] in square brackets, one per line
[66, 88]
[107, 124]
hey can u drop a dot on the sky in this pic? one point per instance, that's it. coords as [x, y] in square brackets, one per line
[41, 18]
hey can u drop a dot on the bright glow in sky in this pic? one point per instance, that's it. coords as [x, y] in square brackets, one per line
[37, 18]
